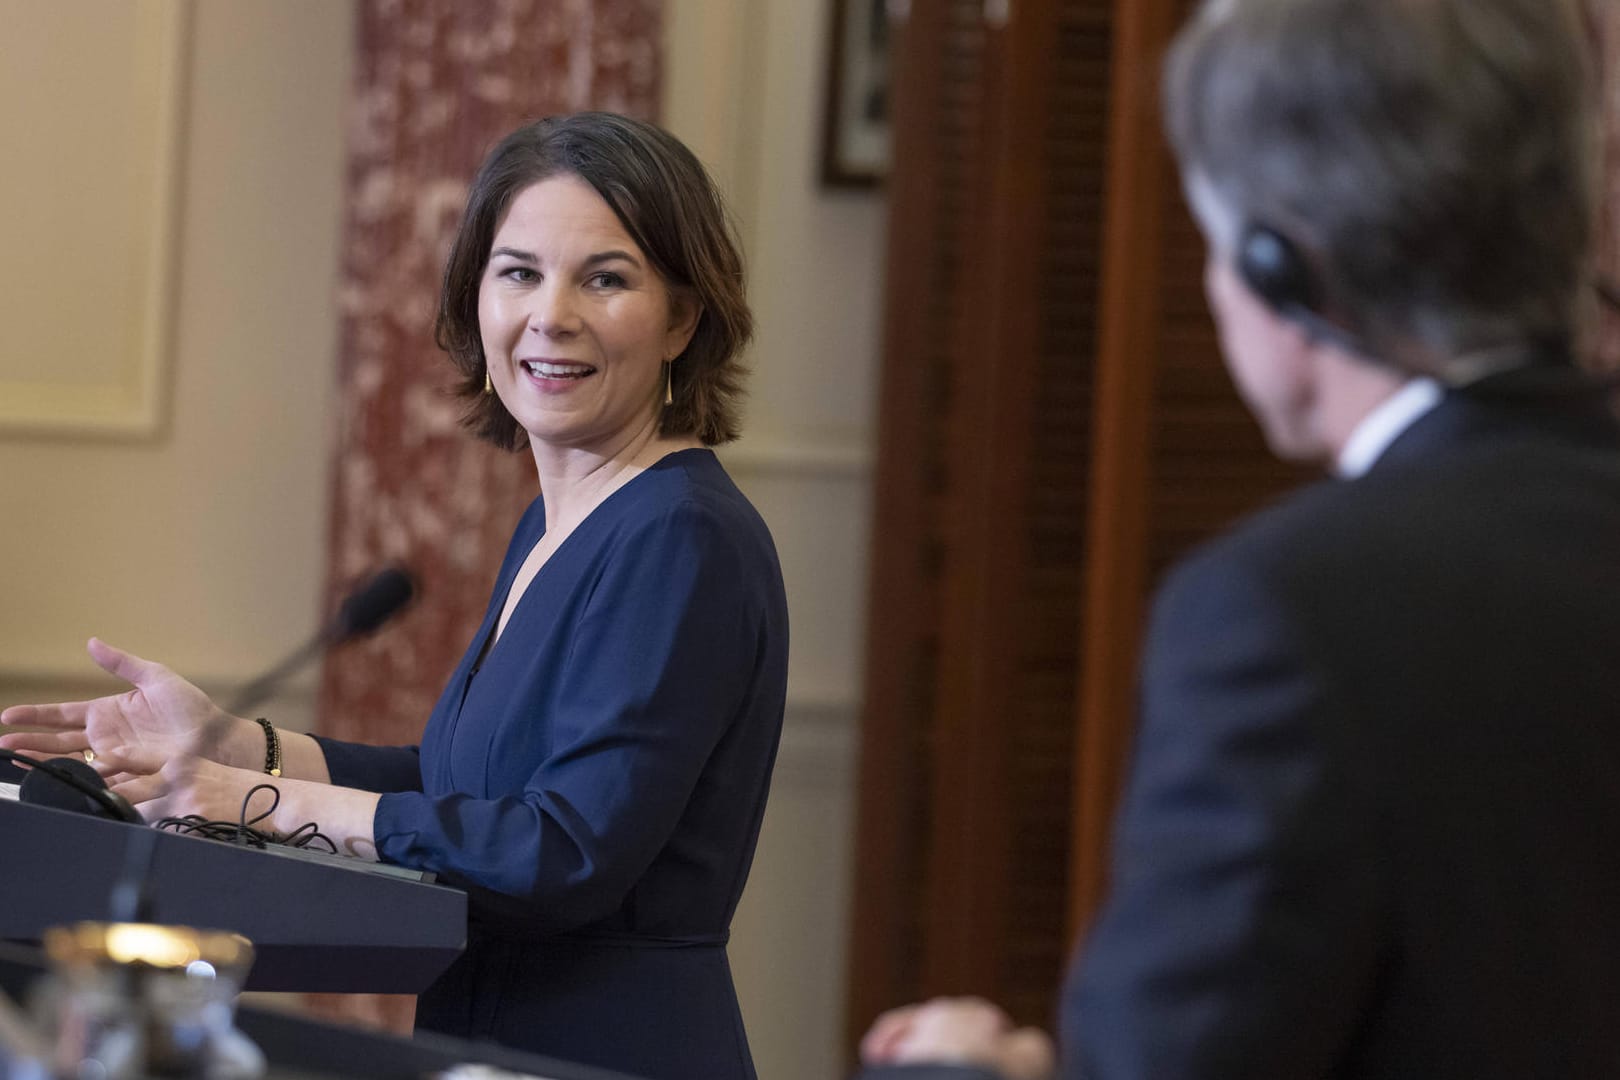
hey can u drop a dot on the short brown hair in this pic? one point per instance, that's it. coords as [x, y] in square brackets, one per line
[668, 204]
[1437, 158]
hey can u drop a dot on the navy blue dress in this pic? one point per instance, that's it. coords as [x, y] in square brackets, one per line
[596, 783]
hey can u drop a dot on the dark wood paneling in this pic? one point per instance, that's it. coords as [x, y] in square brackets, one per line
[984, 458]
[1054, 426]
[937, 60]
[1177, 458]
[1132, 303]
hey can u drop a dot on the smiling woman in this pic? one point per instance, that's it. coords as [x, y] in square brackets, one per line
[595, 772]
[578, 329]
[654, 207]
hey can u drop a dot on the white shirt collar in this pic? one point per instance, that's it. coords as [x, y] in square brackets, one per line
[1384, 425]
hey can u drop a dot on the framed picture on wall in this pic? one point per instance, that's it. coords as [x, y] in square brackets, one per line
[855, 150]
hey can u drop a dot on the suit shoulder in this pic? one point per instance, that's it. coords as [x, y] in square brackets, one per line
[1268, 538]
[1329, 541]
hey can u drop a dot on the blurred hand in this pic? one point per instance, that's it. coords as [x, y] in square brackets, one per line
[163, 786]
[162, 714]
[959, 1031]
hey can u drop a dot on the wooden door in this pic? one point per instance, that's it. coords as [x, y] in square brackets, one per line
[1054, 427]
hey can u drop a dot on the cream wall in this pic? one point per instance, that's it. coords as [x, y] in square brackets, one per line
[745, 90]
[202, 545]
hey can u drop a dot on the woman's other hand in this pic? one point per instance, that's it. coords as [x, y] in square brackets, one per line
[959, 1031]
[176, 785]
[162, 713]
[183, 785]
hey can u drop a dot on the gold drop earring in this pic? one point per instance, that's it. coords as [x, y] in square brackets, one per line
[489, 387]
[669, 383]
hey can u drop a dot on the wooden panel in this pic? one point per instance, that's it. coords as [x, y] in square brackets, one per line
[1177, 457]
[937, 59]
[1063, 60]
[1118, 517]
[986, 376]
[983, 463]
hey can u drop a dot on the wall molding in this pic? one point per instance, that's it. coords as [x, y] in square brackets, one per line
[818, 744]
[813, 457]
[818, 725]
[130, 402]
[706, 104]
[85, 680]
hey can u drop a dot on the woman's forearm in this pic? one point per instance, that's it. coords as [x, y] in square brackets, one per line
[303, 759]
[344, 815]
[246, 746]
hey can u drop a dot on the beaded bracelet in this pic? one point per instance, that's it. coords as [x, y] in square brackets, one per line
[272, 747]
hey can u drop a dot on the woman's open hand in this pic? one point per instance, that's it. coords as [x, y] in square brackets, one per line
[162, 714]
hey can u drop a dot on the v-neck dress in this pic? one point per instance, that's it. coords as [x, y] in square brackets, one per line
[596, 782]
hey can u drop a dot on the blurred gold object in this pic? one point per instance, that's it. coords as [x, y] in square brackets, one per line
[132, 1001]
[89, 755]
[163, 947]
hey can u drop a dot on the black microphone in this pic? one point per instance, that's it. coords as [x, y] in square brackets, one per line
[376, 601]
[70, 784]
[371, 605]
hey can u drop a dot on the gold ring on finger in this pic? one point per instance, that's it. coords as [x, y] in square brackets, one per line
[89, 755]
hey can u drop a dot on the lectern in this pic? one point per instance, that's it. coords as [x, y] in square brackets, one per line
[317, 922]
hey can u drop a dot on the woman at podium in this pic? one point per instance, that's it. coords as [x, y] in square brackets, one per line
[595, 772]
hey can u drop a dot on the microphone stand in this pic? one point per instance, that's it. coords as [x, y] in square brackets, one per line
[264, 685]
[131, 897]
[375, 602]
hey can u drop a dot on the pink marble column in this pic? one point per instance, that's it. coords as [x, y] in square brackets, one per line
[437, 83]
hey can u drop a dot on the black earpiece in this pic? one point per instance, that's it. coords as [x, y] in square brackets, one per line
[1279, 274]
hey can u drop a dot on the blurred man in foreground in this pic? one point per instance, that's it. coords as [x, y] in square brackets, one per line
[1370, 825]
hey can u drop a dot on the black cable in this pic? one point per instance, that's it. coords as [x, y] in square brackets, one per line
[242, 831]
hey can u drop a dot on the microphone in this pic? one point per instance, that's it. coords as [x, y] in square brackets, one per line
[371, 605]
[376, 601]
[70, 784]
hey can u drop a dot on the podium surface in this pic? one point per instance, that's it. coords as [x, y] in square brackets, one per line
[317, 923]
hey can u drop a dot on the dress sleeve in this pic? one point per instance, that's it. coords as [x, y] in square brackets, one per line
[659, 665]
[1244, 923]
[371, 768]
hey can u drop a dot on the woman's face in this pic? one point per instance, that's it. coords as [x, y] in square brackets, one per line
[576, 324]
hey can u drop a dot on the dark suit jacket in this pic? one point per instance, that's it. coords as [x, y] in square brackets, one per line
[1373, 823]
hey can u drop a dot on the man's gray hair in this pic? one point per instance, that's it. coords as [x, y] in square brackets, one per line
[1436, 159]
